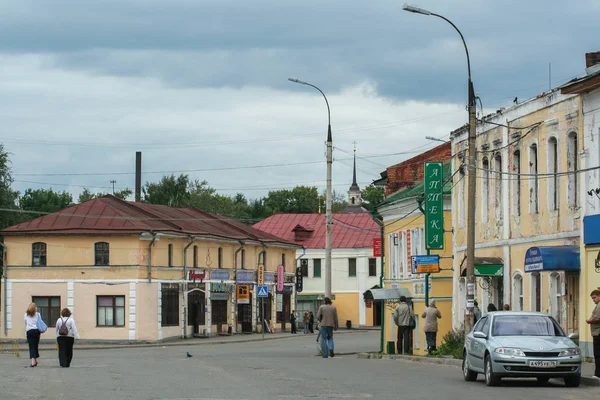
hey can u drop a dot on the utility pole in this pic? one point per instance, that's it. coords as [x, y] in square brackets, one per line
[471, 175]
[113, 185]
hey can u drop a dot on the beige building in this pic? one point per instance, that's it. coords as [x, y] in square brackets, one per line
[527, 210]
[140, 272]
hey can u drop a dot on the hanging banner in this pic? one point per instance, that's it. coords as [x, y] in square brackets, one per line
[280, 277]
[434, 205]
[377, 247]
[261, 275]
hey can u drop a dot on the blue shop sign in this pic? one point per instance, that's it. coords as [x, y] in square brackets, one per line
[219, 275]
[552, 258]
[245, 276]
[591, 229]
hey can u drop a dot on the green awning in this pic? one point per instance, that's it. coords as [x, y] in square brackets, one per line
[312, 297]
[489, 270]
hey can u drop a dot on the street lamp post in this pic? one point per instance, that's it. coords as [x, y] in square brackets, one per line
[471, 176]
[328, 194]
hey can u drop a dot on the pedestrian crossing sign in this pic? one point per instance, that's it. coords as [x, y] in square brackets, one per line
[262, 291]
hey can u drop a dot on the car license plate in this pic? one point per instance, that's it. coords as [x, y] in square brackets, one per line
[542, 364]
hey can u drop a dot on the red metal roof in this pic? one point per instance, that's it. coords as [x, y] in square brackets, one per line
[350, 231]
[110, 215]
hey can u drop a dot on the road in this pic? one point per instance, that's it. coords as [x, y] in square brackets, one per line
[277, 369]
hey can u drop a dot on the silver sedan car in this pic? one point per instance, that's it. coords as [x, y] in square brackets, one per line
[521, 345]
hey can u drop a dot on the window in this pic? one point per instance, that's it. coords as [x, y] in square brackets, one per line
[220, 257]
[48, 307]
[372, 267]
[393, 263]
[498, 187]
[243, 258]
[485, 190]
[517, 182]
[170, 304]
[518, 292]
[479, 325]
[317, 268]
[553, 169]
[219, 312]
[195, 256]
[572, 167]
[352, 267]
[283, 259]
[101, 253]
[170, 255]
[535, 182]
[461, 197]
[38, 254]
[485, 328]
[556, 296]
[526, 325]
[110, 310]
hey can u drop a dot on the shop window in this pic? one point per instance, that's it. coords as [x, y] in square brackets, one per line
[372, 267]
[485, 190]
[219, 312]
[48, 307]
[110, 310]
[170, 304]
[101, 253]
[317, 268]
[352, 267]
[517, 182]
[572, 168]
[553, 171]
[170, 255]
[38, 254]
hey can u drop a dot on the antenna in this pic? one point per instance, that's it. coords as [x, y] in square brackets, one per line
[113, 185]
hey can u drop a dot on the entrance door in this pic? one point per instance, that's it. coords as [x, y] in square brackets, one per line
[285, 316]
[245, 316]
[572, 302]
[377, 313]
[196, 311]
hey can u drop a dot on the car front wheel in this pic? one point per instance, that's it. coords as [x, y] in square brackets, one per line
[573, 381]
[468, 373]
[491, 379]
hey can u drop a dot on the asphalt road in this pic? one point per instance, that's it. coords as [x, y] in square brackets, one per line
[278, 369]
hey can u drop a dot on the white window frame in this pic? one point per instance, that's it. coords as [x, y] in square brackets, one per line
[572, 152]
[403, 256]
[555, 291]
[518, 288]
[485, 190]
[553, 182]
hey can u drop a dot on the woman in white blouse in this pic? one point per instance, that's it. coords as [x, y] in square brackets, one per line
[65, 337]
[33, 333]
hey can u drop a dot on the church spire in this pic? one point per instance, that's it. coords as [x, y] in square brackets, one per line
[354, 186]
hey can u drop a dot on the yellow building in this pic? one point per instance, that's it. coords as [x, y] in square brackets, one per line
[527, 209]
[405, 237]
[140, 272]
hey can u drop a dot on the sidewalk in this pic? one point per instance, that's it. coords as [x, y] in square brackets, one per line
[587, 369]
[50, 344]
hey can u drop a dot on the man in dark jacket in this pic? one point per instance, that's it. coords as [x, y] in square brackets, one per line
[293, 321]
[402, 315]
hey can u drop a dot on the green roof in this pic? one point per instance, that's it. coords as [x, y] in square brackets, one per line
[419, 189]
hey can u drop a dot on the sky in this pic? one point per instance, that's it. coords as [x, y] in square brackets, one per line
[201, 87]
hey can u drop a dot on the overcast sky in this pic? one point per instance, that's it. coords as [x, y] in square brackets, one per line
[201, 86]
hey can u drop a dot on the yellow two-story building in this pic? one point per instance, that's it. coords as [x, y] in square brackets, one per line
[527, 209]
[139, 272]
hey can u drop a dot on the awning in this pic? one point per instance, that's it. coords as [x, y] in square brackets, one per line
[312, 297]
[386, 294]
[552, 258]
[485, 266]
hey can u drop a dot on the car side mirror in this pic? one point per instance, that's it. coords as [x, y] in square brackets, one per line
[574, 336]
[479, 335]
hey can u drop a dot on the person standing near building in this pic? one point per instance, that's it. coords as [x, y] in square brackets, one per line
[311, 322]
[402, 315]
[431, 315]
[293, 321]
[66, 333]
[305, 321]
[476, 312]
[34, 326]
[594, 322]
[328, 322]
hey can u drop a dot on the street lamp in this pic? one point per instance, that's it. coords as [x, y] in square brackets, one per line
[471, 175]
[434, 139]
[328, 196]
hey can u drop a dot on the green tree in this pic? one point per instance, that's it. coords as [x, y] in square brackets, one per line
[8, 196]
[170, 191]
[87, 195]
[372, 196]
[45, 200]
[300, 200]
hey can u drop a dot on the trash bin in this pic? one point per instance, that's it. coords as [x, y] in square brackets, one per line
[391, 348]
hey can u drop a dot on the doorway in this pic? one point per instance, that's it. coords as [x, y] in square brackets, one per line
[377, 312]
[245, 316]
[196, 316]
[572, 298]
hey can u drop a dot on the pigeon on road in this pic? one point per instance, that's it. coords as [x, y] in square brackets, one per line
[188, 355]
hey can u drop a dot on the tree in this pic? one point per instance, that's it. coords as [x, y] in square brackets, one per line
[170, 191]
[372, 196]
[299, 200]
[8, 197]
[87, 195]
[45, 200]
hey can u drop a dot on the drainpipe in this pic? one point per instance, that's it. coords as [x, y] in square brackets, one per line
[183, 298]
[378, 222]
[235, 267]
[421, 200]
[5, 273]
[296, 264]
[150, 256]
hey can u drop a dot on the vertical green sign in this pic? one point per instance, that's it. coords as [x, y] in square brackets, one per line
[434, 205]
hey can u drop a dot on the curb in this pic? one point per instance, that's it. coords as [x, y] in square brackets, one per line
[586, 381]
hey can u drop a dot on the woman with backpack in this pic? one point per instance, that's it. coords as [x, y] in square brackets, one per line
[66, 333]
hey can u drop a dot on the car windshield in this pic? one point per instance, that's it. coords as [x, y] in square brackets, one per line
[525, 325]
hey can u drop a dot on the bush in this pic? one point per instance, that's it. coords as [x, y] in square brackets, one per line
[452, 345]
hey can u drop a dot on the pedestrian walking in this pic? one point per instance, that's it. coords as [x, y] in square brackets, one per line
[476, 312]
[66, 333]
[402, 315]
[305, 321]
[431, 316]
[311, 322]
[491, 307]
[293, 321]
[594, 322]
[34, 327]
[328, 322]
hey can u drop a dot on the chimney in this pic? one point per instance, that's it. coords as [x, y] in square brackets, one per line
[138, 176]
[592, 59]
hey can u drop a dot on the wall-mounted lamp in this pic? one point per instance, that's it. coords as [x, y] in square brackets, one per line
[395, 239]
